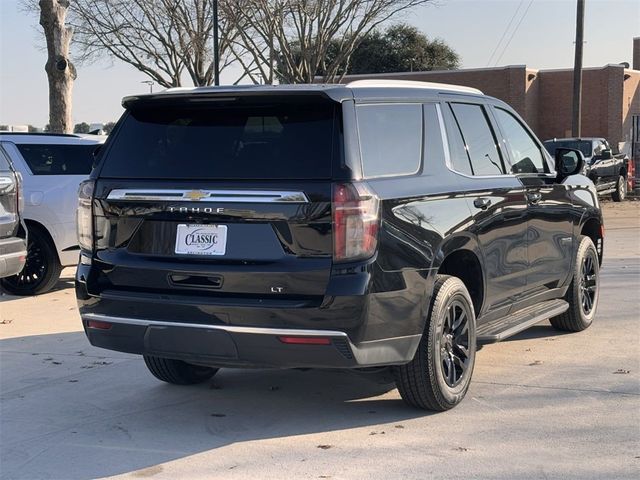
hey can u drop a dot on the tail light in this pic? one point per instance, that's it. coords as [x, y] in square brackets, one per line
[355, 222]
[84, 215]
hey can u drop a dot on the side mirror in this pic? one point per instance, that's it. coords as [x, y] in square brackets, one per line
[606, 155]
[568, 162]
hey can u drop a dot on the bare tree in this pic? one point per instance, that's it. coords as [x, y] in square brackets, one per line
[288, 40]
[161, 38]
[60, 71]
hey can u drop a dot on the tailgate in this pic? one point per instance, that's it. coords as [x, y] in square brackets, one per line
[227, 240]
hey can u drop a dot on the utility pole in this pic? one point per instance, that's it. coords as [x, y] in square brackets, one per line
[577, 72]
[216, 46]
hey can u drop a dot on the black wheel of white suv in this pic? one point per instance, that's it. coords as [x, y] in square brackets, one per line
[178, 372]
[583, 292]
[621, 189]
[439, 375]
[42, 269]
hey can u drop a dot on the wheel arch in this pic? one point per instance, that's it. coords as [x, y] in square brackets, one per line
[594, 229]
[31, 224]
[461, 257]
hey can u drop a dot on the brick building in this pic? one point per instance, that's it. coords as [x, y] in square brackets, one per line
[610, 95]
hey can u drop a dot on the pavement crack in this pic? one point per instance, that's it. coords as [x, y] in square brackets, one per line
[586, 390]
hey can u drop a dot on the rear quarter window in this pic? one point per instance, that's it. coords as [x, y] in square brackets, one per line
[390, 139]
[58, 159]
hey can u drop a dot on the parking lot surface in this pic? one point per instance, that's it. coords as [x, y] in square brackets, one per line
[541, 405]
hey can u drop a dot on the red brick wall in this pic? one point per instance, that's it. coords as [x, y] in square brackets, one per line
[601, 103]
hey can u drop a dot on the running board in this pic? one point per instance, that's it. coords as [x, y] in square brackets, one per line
[516, 322]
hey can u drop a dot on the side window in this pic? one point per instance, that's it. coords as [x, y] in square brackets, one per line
[478, 138]
[599, 147]
[460, 160]
[390, 138]
[526, 156]
[58, 159]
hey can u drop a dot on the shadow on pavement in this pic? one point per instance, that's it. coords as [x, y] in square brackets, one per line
[73, 411]
[544, 330]
[62, 284]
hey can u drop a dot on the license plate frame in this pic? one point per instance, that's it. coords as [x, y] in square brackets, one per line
[201, 239]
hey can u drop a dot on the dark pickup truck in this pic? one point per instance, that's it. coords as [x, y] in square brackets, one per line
[607, 170]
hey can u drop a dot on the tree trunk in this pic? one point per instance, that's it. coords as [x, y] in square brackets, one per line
[60, 71]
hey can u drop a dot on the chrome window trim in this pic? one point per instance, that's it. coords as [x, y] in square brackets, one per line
[226, 328]
[206, 196]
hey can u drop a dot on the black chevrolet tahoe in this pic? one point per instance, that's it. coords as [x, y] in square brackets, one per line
[373, 225]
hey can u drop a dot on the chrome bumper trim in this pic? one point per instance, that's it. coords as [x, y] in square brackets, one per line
[226, 328]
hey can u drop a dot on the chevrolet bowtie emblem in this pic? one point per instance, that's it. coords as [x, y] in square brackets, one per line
[196, 195]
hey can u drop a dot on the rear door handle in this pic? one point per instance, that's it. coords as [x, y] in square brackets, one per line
[534, 197]
[482, 203]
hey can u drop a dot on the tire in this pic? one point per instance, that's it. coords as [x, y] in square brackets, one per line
[178, 372]
[42, 269]
[425, 382]
[621, 189]
[583, 292]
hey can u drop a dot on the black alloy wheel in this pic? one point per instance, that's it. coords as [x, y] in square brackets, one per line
[588, 284]
[439, 375]
[41, 270]
[582, 294]
[454, 344]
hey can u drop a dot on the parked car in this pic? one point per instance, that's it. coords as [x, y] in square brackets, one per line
[608, 171]
[374, 224]
[52, 166]
[13, 233]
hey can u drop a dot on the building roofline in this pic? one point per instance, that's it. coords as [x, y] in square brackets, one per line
[570, 69]
[423, 72]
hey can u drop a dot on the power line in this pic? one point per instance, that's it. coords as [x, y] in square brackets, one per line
[514, 32]
[505, 32]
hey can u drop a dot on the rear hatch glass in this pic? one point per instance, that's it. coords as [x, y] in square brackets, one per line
[239, 141]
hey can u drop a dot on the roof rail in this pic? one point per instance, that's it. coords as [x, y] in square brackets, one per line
[443, 87]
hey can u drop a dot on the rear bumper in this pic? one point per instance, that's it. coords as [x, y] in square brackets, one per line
[240, 346]
[362, 326]
[13, 255]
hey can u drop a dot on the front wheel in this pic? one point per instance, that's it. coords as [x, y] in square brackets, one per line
[178, 372]
[439, 375]
[582, 295]
[621, 190]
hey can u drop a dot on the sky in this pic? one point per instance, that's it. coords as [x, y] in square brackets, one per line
[542, 38]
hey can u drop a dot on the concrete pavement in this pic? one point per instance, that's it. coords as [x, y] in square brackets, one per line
[541, 405]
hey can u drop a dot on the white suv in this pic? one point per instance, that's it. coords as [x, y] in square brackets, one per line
[52, 167]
